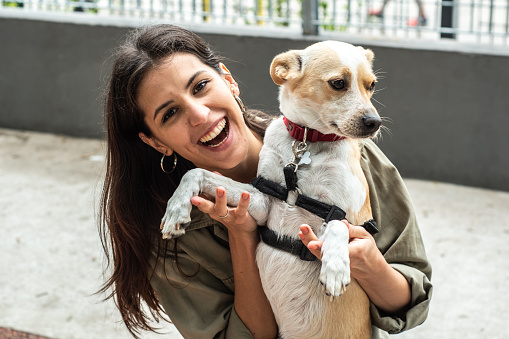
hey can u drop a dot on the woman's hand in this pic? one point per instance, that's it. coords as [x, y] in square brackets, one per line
[385, 287]
[366, 260]
[236, 219]
[364, 255]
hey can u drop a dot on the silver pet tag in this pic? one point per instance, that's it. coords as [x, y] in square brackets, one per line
[305, 159]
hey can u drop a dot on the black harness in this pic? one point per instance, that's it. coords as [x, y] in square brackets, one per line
[321, 209]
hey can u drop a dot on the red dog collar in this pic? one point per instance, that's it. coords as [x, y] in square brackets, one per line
[297, 132]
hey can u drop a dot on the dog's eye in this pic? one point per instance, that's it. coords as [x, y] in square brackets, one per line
[337, 84]
[372, 86]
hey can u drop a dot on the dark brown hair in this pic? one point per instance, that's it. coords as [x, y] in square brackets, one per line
[135, 189]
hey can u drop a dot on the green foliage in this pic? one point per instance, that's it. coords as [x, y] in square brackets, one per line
[12, 4]
[328, 22]
[279, 12]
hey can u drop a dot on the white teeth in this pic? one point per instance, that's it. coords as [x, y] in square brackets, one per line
[215, 132]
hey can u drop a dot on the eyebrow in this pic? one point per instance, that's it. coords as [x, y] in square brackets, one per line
[189, 83]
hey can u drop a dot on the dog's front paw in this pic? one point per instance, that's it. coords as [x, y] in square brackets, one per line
[178, 210]
[172, 229]
[335, 274]
[176, 217]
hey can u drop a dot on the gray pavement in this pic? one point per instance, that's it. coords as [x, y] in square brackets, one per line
[51, 259]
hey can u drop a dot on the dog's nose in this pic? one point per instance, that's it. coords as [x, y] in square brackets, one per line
[372, 122]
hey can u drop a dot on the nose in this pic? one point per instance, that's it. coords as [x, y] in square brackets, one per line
[197, 113]
[372, 122]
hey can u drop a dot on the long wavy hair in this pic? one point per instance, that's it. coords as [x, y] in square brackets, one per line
[135, 188]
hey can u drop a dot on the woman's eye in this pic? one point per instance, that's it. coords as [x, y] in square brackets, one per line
[168, 114]
[199, 86]
[337, 84]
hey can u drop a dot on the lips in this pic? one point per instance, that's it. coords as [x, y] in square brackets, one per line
[217, 136]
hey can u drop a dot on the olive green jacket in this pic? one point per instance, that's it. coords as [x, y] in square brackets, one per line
[199, 300]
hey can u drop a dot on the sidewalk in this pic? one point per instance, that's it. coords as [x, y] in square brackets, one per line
[51, 261]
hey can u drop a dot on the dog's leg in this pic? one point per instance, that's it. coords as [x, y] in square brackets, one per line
[198, 181]
[335, 272]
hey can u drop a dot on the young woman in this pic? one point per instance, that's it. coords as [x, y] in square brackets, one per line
[171, 106]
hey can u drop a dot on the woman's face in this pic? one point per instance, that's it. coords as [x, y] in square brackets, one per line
[190, 109]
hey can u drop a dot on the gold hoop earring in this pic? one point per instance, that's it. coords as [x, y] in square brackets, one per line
[174, 163]
[240, 103]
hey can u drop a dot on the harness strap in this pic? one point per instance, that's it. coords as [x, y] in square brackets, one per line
[321, 209]
[286, 243]
[270, 187]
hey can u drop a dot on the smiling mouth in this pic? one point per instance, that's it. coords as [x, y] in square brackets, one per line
[217, 136]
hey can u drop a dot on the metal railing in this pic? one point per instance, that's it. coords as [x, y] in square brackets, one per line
[469, 21]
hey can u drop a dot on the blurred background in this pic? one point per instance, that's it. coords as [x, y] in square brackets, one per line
[442, 68]
[442, 78]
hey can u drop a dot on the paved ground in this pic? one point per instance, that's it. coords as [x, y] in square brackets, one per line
[51, 260]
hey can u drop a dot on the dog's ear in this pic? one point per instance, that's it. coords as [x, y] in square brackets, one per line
[368, 53]
[285, 66]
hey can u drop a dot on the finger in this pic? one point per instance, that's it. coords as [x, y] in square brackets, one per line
[242, 207]
[203, 204]
[207, 196]
[358, 232]
[307, 234]
[310, 240]
[316, 247]
[221, 207]
[344, 221]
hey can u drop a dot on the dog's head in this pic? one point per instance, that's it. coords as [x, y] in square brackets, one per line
[328, 87]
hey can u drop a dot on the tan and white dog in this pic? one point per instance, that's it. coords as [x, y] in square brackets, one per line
[325, 90]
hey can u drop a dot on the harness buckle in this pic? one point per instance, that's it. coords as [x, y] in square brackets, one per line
[335, 213]
[370, 226]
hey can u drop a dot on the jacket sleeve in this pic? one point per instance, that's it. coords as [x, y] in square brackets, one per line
[198, 299]
[399, 239]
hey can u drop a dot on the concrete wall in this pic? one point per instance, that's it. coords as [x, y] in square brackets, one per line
[448, 105]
